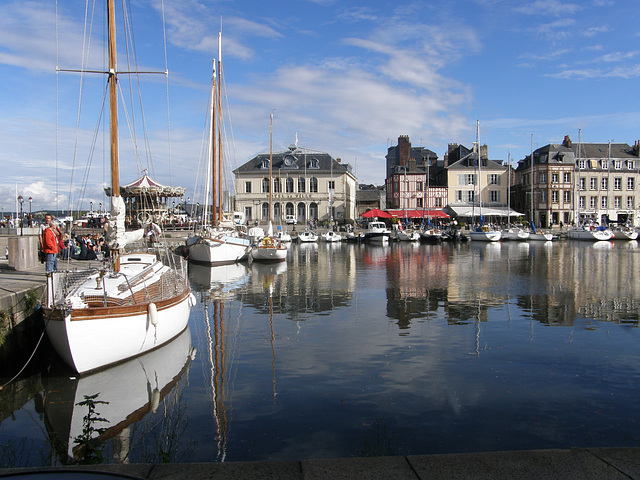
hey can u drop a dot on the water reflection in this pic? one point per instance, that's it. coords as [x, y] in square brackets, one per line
[406, 348]
[121, 396]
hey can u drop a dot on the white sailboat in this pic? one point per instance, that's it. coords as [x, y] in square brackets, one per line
[512, 232]
[331, 236]
[138, 302]
[269, 248]
[216, 243]
[483, 233]
[583, 231]
[307, 237]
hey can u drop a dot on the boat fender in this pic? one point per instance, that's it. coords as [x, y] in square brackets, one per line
[192, 300]
[153, 314]
[155, 400]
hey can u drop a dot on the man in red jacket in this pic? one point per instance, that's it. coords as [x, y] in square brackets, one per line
[51, 246]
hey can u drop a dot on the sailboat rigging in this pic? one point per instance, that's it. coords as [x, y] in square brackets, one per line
[137, 302]
[217, 242]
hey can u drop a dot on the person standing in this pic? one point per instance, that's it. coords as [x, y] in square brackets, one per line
[51, 246]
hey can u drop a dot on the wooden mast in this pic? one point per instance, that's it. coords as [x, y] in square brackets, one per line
[214, 192]
[113, 101]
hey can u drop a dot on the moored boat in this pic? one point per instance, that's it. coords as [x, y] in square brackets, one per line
[376, 232]
[307, 237]
[625, 233]
[590, 233]
[331, 236]
[515, 234]
[485, 234]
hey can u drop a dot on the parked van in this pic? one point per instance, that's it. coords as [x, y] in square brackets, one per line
[290, 219]
[238, 218]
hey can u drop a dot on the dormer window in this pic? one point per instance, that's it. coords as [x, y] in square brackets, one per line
[290, 162]
[617, 164]
[630, 164]
[314, 163]
[582, 164]
[265, 164]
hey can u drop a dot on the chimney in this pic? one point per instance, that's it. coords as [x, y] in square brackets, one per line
[404, 149]
[339, 160]
[412, 165]
[567, 141]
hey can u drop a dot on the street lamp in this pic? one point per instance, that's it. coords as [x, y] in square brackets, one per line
[91, 205]
[21, 201]
[30, 217]
[100, 208]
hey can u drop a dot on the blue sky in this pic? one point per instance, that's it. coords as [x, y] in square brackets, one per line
[347, 77]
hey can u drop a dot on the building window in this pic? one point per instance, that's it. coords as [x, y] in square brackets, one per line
[593, 183]
[289, 185]
[630, 164]
[465, 196]
[604, 202]
[554, 196]
[313, 185]
[630, 203]
[593, 202]
[582, 183]
[543, 177]
[617, 183]
[494, 196]
[630, 183]
[543, 196]
[332, 185]
[567, 196]
[582, 202]
[466, 179]
[567, 177]
[438, 202]
[419, 202]
[494, 179]
[582, 164]
[617, 202]
[605, 183]
[617, 164]
[247, 187]
[418, 186]
[265, 185]
[276, 185]
[555, 178]
[301, 185]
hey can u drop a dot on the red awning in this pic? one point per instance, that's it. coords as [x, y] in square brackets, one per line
[418, 213]
[376, 212]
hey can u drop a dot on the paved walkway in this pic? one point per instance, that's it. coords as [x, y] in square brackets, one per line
[583, 464]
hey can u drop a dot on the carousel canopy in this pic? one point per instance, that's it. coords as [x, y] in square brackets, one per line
[145, 185]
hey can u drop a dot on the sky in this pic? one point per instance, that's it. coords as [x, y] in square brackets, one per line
[343, 77]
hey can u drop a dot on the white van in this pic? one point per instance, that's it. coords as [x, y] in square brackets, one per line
[290, 219]
[238, 218]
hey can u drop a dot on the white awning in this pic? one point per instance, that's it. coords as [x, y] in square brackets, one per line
[470, 210]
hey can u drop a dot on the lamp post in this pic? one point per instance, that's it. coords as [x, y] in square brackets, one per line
[30, 217]
[100, 208]
[21, 200]
[91, 205]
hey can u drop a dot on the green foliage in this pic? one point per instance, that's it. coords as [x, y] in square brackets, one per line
[31, 300]
[90, 445]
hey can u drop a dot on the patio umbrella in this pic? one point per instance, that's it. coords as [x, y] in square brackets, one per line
[376, 212]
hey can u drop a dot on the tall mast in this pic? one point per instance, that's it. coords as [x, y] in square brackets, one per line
[531, 158]
[113, 100]
[219, 214]
[479, 170]
[214, 191]
[270, 162]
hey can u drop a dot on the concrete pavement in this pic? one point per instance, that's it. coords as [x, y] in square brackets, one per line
[575, 463]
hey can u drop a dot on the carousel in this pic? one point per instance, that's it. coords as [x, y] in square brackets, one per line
[149, 201]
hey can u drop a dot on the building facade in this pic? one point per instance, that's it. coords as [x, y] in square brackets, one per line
[576, 183]
[306, 184]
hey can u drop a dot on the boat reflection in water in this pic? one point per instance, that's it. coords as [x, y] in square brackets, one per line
[122, 396]
[219, 279]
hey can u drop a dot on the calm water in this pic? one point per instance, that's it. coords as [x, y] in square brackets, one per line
[350, 350]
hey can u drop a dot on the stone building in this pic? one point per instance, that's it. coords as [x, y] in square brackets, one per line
[306, 184]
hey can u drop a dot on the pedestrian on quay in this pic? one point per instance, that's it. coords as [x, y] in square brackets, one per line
[51, 246]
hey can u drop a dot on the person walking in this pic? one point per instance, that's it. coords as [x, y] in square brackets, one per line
[51, 246]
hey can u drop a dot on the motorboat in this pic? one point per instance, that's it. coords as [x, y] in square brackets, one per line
[307, 237]
[376, 232]
[331, 236]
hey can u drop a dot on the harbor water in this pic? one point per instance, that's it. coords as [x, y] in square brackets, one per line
[360, 350]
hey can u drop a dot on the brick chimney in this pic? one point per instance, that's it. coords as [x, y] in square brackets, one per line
[567, 141]
[404, 149]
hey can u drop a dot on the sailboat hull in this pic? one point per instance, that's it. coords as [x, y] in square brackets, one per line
[218, 251]
[107, 319]
[488, 236]
[589, 234]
